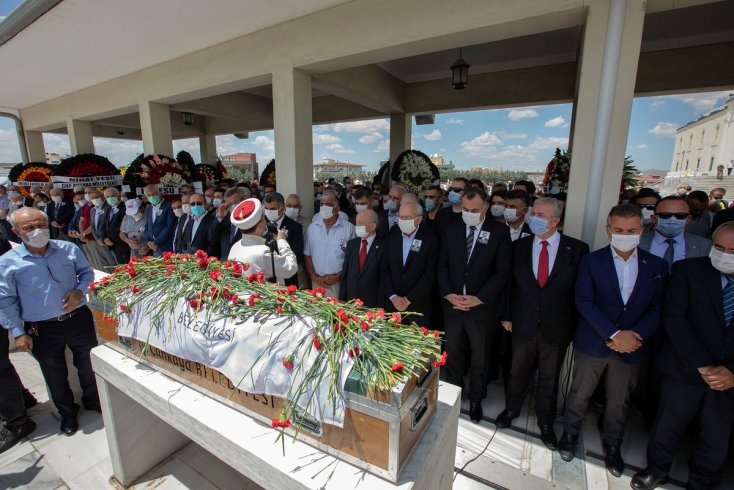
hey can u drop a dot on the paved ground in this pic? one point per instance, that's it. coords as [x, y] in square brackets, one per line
[487, 458]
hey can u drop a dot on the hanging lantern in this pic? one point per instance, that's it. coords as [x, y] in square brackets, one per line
[459, 73]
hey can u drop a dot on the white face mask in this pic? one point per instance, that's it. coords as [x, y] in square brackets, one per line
[497, 210]
[722, 262]
[186, 208]
[271, 214]
[407, 226]
[625, 243]
[292, 213]
[216, 202]
[361, 231]
[326, 212]
[510, 215]
[646, 215]
[57, 199]
[38, 238]
[471, 219]
[361, 207]
[178, 212]
[86, 197]
[97, 202]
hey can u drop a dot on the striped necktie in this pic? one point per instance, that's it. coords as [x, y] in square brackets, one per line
[470, 242]
[670, 252]
[728, 301]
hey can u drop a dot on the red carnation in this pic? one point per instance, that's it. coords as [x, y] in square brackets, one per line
[108, 318]
[235, 299]
[395, 317]
[200, 254]
[316, 343]
[424, 330]
[281, 424]
[364, 326]
[442, 361]
[292, 289]
[195, 304]
[215, 275]
[397, 367]
[358, 302]
[237, 269]
[135, 289]
[354, 352]
[253, 299]
[288, 362]
[436, 333]
[279, 309]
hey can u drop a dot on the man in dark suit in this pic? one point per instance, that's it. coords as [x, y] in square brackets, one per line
[159, 222]
[195, 234]
[363, 262]
[542, 315]
[389, 217]
[274, 210]
[223, 233]
[111, 221]
[409, 266]
[696, 365]
[183, 214]
[517, 203]
[619, 295]
[473, 269]
[60, 212]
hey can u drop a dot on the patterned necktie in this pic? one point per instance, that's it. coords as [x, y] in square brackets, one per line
[362, 254]
[543, 264]
[470, 242]
[669, 253]
[728, 301]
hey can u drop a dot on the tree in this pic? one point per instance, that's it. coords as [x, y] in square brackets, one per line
[629, 174]
[500, 176]
[239, 173]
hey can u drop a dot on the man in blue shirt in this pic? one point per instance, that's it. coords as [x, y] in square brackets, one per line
[42, 286]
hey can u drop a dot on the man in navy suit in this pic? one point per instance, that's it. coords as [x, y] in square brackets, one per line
[60, 212]
[159, 222]
[363, 262]
[619, 296]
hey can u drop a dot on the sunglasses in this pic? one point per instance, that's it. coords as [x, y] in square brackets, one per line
[651, 207]
[456, 189]
[680, 216]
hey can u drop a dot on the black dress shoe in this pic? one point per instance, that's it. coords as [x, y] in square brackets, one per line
[93, 407]
[29, 400]
[10, 436]
[475, 411]
[613, 459]
[646, 480]
[567, 447]
[69, 426]
[505, 418]
[548, 436]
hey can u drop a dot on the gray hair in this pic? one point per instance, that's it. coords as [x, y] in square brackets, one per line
[151, 188]
[371, 216]
[551, 201]
[402, 188]
[723, 227]
[294, 195]
[332, 195]
[25, 211]
[243, 192]
[418, 207]
[113, 190]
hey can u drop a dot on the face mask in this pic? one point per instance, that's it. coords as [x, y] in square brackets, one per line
[538, 226]
[646, 215]
[510, 215]
[326, 212]
[721, 261]
[374, 204]
[82, 202]
[497, 210]
[78, 205]
[292, 213]
[625, 243]
[271, 214]
[430, 205]
[471, 219]
[41, 206]
[671, 227]
[87, 197]
[361, 231]
[454, 197]
[123, 199]
[625, 201]
[391, 205]
[681, 192]
[186, 208]
[113, 201]
[38, 238]
[197, 210]
[154, 200]
[56, 199]
[98, 202]
[361, 207]
[209, 200]
[178, 212]
[407, 226]
[216, 202]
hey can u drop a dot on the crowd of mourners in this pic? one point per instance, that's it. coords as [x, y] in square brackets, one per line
[646, 322]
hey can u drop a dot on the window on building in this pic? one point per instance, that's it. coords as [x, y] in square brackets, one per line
[703, 133]
[698, 163]
[716, 134]
[711, 165]
[677, 164]
[687, 161]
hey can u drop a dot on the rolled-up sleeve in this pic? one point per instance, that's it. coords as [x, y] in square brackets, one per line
[9, 302]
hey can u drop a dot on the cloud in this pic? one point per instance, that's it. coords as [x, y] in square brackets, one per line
[657, 103]
[504, 135]
[641, 146]
[517, 114]
[482, 145]
[9, 147]
[453, 120]
[369, 126]
[704, 102]
[551, 142]
[338, 148]
[383, 147]
[555, 122]
[325, 139]
[370, 138]
[664, 130]
[434, 135]
[122, 152]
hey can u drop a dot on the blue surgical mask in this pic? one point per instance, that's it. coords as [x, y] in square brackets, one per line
[538, 225]
[430, 205]
[197, 210]
[671, 227]
[391, 205]
[454, 197]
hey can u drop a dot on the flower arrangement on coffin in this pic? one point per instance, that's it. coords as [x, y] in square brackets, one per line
[35, 173]
[207, 174]
[86, 165]
[414, 169]
[384, 351]
[166, 174]
[557, 172]
[268, 175]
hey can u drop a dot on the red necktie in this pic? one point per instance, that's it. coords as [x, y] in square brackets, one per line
[543, 264]
[362, 254]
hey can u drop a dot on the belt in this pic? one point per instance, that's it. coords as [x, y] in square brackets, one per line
[61, 318]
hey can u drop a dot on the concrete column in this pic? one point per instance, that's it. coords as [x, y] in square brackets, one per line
[80, 136]
[208, 148]
[155, 126]
[292, 119]
[605, 89]
[36, 148]
[400, 134]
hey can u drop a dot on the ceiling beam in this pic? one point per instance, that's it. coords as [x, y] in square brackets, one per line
[369, 85]
[234, 105]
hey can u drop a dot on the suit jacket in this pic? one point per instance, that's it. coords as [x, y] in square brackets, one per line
[602, 311]
[98, 227]
[383, 224]
[200, 240]
[694, 323]
[696, 246]
[295, 241]
[363, 284]
[549, 311]
[178, 246]
[160, 232]
[61, 213]
[416, 278]
[485, 274]
[110, 226]
[219, 238]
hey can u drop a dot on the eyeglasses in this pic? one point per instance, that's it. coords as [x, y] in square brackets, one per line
[651, 207]
[456, 189]
[670, 215]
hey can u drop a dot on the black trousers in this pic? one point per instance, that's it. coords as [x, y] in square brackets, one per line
[467, 338]
[549, 358]
[620, 379]
[49, 348]
[679, 405]
[12, 407]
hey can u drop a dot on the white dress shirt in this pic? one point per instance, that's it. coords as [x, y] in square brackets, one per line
[477, 229]
[197, 222]
[370, 240]
[626, 273]
[515, 233]
[658, 246]
[326, 247]
[553, 241]
[407, 243]
[154, 211]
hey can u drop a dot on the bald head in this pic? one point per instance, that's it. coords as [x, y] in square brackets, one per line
[27, 219]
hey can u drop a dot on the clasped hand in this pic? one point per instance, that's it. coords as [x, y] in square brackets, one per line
[625, 341]
[718, 378]
[463, 302]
